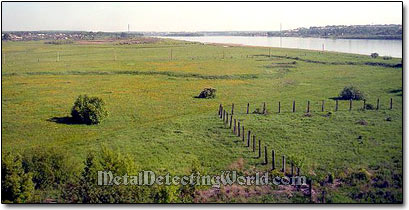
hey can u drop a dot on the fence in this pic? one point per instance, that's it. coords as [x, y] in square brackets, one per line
[239, 131]
[322, 106]
[251, 143]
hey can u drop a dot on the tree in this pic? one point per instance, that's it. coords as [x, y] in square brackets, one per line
[16, 185]
[351, 92]
[6, 36]
[374, 55]
[89, 110]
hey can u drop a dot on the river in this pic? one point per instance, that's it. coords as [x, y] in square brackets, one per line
[357, 46]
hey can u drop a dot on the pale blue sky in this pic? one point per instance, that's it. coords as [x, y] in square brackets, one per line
[216, 16]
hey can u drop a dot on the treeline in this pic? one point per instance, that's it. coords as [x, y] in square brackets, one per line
[46, 175]
[345, 32]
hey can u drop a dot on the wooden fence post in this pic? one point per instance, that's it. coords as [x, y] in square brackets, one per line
[243, 133]
[221, 112]
[273, 160]
[350, 104]
[238, 128]
[308, 106]
[254, 143]
[283, 169]
[259, 149]
[265, 155]
[364, 107]
[231, 120]
[220, 109]
[232, 109]
[264, 108]
[279, 107]
[248, 106]
[336, 105]
[227, 118]
[377, 104]
[390, 105]
[323, 106]
[294, 106]
[234, 127]
[248, 138]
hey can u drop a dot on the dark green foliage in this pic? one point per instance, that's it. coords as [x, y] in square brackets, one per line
[351, 92]
[374, 55]
[208, 93]
[86, 190]
[387, 57]
[89, 110]
[16, 185]
[49, 167]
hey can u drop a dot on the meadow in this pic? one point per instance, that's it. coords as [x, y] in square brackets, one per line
[155, 118]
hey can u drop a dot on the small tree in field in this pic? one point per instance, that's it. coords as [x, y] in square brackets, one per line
[351, 92]
[374, 55]
[89, 110]
[207, 93]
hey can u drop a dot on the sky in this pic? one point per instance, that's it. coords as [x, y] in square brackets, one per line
[190, 16]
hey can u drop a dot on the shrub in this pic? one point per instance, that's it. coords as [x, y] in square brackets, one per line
[208, 93]
[351, 92]
[89, 110]
[374, 55]
[387, 57]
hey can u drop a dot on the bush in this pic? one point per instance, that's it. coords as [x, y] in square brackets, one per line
[387, 57]
[374, 55]
[207, 93]
[351, 92]
[89, 110]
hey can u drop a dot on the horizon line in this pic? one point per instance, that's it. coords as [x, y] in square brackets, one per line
[45, 30]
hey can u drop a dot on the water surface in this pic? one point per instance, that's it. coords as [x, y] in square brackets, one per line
[358, 46]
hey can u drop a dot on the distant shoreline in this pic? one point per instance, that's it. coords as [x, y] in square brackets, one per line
[318, 37]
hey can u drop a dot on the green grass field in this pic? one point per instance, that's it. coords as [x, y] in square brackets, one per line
[155, 117]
